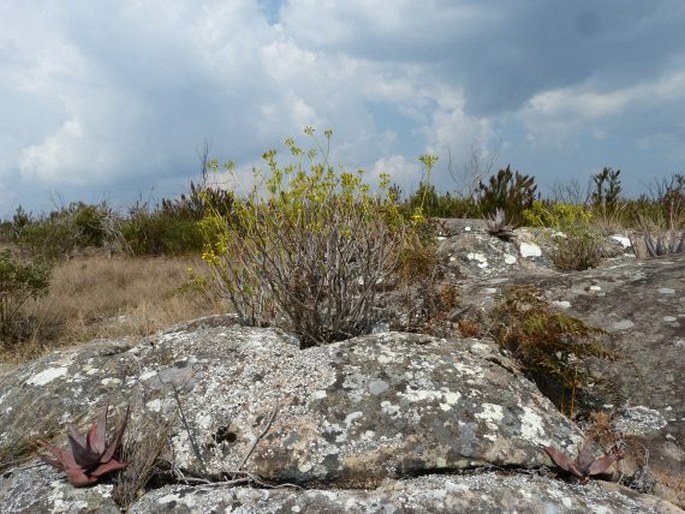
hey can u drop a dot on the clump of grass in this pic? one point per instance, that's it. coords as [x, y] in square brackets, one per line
[96, 297]
[551, 345]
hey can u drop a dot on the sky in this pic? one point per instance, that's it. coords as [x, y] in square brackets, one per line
[114, 100]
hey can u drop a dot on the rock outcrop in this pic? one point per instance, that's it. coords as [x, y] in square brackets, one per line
[388, 422]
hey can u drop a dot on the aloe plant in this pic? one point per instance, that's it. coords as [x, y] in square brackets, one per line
[585, 465]
[497, 225]
[88, 457]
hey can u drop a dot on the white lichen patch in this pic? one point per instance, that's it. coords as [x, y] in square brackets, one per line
[510, 259]
[478, 257]
[377, 387]
[531, 427]
[390, 409]
[451, 399]
[492, 414]
[529, 250]
[319, 394]
[47, 376]
[349, 419]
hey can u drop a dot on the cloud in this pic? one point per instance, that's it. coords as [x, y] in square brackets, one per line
[117, 95]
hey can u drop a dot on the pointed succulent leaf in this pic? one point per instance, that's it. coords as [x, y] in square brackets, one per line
[601, 465]
[77, 436]
[107, 467]
[116, 442]
[63, 458]
[83, 456]
[78, 478]
[98, 432]
[585, 458]
[560, 458]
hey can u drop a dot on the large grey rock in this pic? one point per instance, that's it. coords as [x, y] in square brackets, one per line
[485, 492]
[351, 413]
[641, 305]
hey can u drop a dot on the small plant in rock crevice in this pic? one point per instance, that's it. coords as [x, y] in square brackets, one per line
[88, 457]
[551, 345]
[586, 464]
[578, 245]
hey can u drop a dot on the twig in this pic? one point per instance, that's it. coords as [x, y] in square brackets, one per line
[191, 436]
[256, 440]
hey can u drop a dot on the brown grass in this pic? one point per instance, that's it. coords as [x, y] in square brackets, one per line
[97, 297]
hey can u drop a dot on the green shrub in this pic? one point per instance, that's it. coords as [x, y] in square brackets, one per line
[78, 225]
[607, 188]
[309, 248]
[18, 283]
[509, 191]
[551, 346]
[578, 245]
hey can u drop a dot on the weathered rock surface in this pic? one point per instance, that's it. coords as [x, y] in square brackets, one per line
[640, 303]
[389, 422]
[486, 492]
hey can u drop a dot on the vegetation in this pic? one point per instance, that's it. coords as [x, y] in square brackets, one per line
[312, 250]
[551, 346]
[19, 282]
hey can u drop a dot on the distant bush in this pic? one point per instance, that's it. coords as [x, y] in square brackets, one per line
[19, 282]
[509, 191]
[78, 225]
[171, 228]
[160, 231]
[309, 248]
[606, 189]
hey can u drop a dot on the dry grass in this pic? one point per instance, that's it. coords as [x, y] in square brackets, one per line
[96, 297]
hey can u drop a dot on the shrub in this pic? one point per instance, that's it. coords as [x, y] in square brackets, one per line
[78, 225]
[18, 283]
[551, 346]
[162, 231]
[607, 188]
[311, 249]
[578, 247]
[509, 191]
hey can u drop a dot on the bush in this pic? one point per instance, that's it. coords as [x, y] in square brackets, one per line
[551, 345]
[578, 247]
[162, 231]
[311, 250]
[78, 225]
[18, 283]
[511, 192]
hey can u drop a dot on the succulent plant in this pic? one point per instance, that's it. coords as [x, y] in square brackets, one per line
[585, 465]
[665, 244]
[497, 225]
[87, 458]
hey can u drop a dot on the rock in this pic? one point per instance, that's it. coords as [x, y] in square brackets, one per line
[485, 492]
[350, 413]
[641, 304]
